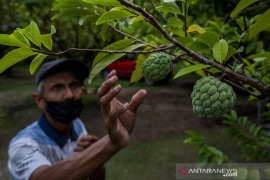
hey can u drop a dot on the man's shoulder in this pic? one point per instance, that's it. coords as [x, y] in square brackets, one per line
[78, 126]
[32, 132]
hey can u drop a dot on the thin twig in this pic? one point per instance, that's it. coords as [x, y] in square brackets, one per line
[158, 49]
[132, 37]
[179, 56]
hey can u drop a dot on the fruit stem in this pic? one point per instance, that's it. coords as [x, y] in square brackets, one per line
[221, 78]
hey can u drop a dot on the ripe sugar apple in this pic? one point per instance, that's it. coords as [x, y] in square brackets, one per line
[211, 98]
[157, 66]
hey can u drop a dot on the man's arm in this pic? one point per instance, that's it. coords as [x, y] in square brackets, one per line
[119, 119]
[79, 166]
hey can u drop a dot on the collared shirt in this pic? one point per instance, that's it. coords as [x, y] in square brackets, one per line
[40, 144]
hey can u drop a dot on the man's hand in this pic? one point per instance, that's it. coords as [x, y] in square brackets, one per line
[119, 118]
[85, 141]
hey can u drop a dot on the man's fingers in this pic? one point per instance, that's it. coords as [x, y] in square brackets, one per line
[107, 85]
[78, 149]
[112, 73]
[106, 99]
[88, 138]
[136, 100]
[116, 112]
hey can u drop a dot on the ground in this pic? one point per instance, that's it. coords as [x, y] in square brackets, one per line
[166, 112]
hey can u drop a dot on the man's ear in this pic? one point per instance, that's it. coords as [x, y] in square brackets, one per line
[39, 100]
[84, 90]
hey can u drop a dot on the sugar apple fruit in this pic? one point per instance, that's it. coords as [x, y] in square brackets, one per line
[211, 98]
[157, 66]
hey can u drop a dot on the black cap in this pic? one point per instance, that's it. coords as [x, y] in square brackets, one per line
[76, 66]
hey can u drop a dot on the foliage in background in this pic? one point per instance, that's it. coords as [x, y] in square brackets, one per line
[206, 153]
[201, 36]
[204, 44]
[252, 138]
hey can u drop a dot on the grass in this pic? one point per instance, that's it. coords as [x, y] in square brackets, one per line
[157, 158]
[20, 85]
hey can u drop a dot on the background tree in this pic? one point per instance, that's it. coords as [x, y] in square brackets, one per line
[230, 43]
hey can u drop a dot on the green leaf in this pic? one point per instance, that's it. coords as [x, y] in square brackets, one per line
[220, 50]
[230, 53]
[71, 4]
[137, 73]
[214, 70]
[208, 38]
[114, 46]
[194, 134]
[46, 40]
[184, 40]
[241, 49]
[32, 33]
[214, 150]
[71, 13]
[203, 158]
[168, 7]
[104, 2]
[263, 55]
[88, 18]
[257, 130]
[241, 23]
[261, 58]
[174, 21]
[261, 24]
[104, 32]
[237, 67]
[53, 30]
[234, 115]
[11, 40]
[36, 62]
[18, 35]
[109, 59]
[178, 32]
[136, 19]
[113, 15]
[190, 69]
[198, 46]
[14, 57]
[188, 140]
[265, 64]
[241, 5]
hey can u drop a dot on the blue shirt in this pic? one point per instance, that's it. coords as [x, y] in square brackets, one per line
[40, 144]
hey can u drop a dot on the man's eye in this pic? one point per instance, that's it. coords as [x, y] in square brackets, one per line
[57, 87]
[75, 85]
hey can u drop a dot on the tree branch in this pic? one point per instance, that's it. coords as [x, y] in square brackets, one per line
[157, 49]
[265, 91]
[159, 13]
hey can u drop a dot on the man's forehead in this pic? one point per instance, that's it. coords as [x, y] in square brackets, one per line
[61, 75]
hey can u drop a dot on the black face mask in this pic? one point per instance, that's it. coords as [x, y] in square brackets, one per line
[66, 111]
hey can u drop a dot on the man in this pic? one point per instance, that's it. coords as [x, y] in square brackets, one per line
[57, 145]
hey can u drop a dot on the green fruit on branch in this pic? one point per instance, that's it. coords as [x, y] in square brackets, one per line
[157, 66]
[211, 98]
